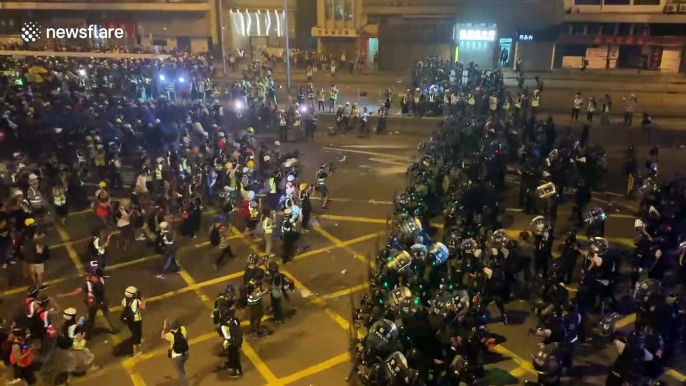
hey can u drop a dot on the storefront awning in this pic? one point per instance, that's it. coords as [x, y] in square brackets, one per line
[623, 40]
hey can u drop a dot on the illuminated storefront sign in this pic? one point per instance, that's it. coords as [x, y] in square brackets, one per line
[343, 32]
[477, 35]
[258, 23]
[525, 38]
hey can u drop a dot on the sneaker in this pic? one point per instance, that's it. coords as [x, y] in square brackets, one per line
[160, 276]
[4, 266]
[235, 373]
[140, 238]
[13, 262]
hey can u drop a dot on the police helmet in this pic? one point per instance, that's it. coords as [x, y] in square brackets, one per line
[253, 259]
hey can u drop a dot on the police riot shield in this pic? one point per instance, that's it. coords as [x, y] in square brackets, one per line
[397, 296]
[438, 254]
[394, 367]
[382, 336]
[400, 261]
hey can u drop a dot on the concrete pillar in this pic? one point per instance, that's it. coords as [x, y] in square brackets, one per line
[321, 13]
[214, 29]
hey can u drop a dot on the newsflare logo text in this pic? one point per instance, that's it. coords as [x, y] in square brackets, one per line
[32, 32]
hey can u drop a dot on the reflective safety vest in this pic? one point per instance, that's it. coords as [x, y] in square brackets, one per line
[100, 159]
[518, 103]
[321, 180]
[254, 300]
[454, 99]
[268, 226]
[506, 106]
[59, 199]
[254, 212]
[536, 101]
[471, 101]
[272, 185]
[158, 171]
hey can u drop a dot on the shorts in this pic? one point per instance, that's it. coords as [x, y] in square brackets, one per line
[323, 191]
[37, 269]
[136, 329]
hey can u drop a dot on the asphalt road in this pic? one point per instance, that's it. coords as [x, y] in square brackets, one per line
[657, 98]
[310, 348]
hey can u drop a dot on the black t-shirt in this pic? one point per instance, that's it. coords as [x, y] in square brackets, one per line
[97, 288]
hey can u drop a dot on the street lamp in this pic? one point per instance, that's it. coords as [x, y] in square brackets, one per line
[288, 46]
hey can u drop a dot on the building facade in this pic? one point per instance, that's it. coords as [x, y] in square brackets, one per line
[615, 34]
[257, 26]
[189, 25]
[401, 32]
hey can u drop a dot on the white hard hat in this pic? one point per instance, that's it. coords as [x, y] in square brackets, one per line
[159, 160]
[267, 158]
[130, 291]
[277, 143]
[164, 225]
[69, 313]
[290, 178]
[288, 164]
[33, 176]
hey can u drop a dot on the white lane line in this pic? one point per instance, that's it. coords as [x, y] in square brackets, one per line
[390, 156]
[389, 146]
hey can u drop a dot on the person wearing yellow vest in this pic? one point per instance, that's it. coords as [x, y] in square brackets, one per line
[59, 199]
[100, 160]
[174, 333]
[268, 229]
[535, 102]
[132, 315]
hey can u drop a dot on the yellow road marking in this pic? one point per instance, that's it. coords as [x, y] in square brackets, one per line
[259, 364]
[135, 378]
[345, 292]
[337, 242]
[519, 372]
[109, 268]
[337, 360]
[64, 236]
[512, 233]
[524, 365]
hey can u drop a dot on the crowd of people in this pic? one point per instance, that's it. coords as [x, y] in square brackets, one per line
[425, 318]
[67, 123]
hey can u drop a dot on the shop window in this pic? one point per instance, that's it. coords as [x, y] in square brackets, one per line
[595, 29]
[609, 29]
[578, 29]
[641, 29]
[587, 2]
[617, 2]
[625, 29]
[329, 7]
[646, 2]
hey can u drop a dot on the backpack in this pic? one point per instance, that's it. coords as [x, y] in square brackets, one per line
[215, 237]
[126, 316]
[180, 345]
[64, 341]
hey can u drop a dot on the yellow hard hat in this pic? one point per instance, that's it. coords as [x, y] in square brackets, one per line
[102, 184]
[303, 186]
[228, 165]
[29, 221]
[250, 164]
[251, 130]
